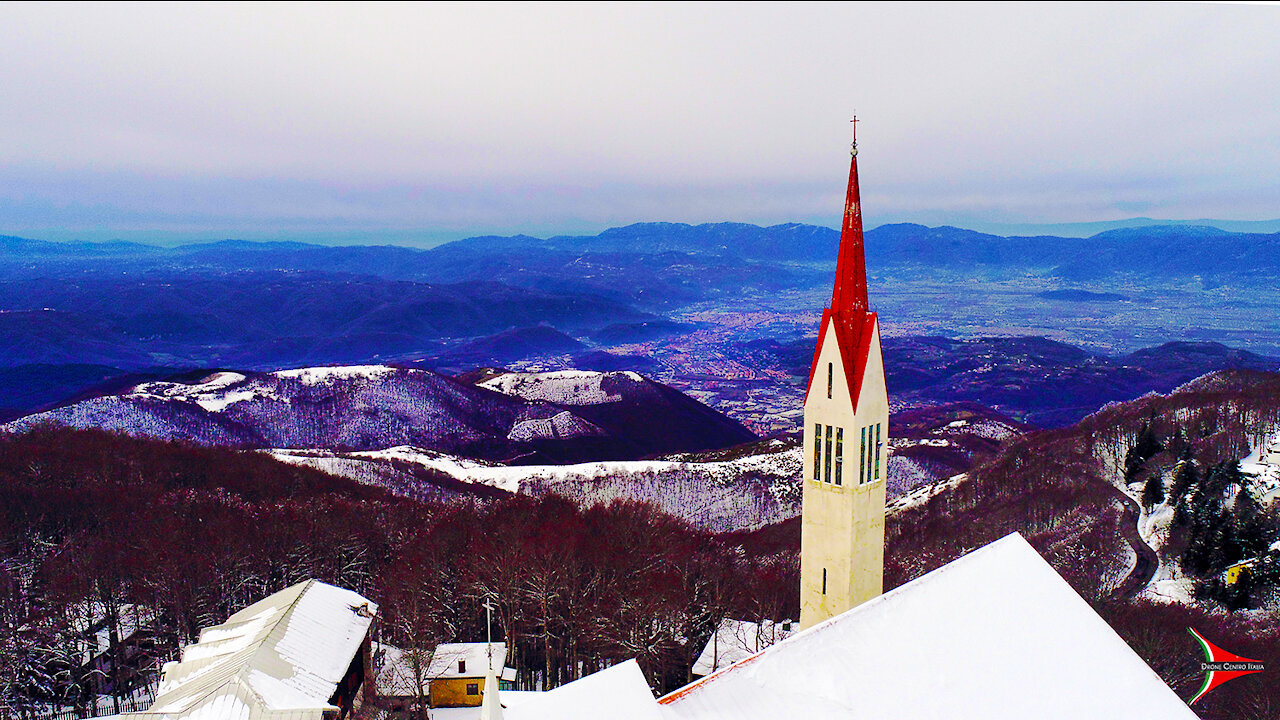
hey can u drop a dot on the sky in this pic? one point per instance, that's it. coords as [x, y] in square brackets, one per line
[428, 122]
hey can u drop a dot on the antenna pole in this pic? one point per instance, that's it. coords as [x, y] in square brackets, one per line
[488, 627]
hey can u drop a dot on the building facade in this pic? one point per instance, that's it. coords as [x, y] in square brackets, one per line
[846, 431]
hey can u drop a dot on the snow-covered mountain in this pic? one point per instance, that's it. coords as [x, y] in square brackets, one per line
[594, 416]
[628, 405]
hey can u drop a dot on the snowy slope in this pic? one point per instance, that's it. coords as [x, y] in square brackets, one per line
[367, 407]
[741, 493]
[362, 406]
[564, 387]
[629, 405]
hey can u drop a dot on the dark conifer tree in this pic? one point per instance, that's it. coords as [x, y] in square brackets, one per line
[1146, 446]
[1153, 491]
[1185, 477]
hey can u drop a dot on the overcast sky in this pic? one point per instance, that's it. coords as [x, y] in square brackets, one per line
[421, 122]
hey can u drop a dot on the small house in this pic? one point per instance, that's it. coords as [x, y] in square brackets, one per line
[457, 672]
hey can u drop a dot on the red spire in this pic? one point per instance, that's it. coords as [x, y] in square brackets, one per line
[850, 292]
[848, 314]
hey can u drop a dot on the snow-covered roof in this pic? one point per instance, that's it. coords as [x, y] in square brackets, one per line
[1262, 464]
[996, 634]
[280, 657]
[617, 693]
[738, 640]
[458, 660]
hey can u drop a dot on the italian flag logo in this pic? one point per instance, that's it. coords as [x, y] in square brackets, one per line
[1220, 666]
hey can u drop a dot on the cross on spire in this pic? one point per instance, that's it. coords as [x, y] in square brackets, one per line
[853, 148]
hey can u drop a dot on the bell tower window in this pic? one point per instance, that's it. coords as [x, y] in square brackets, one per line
[839, 454]
[826, 458]
[817, 453]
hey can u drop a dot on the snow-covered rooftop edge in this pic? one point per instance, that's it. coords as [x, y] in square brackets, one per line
[765, 679]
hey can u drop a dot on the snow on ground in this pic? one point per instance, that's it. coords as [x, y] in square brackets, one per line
[741, 493]
[1154, 525]
[511, 477]
[561, 425]
[908, 473]
[987, 429]
[737, 640]
[1179, 590]
[471, 471]
[222, 389]
[921, 494]
[214, 393]
[323, 375]
[563, 387]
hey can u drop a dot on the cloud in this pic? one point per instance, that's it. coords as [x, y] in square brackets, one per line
[523, 116]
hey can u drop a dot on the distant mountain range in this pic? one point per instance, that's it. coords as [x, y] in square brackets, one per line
[657, 263]
[266, 318]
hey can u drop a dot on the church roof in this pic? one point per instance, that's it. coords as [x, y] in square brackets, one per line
[996, 634]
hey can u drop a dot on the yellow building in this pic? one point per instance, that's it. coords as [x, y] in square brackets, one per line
[457, 673]
[846, 430]
[1235, 572]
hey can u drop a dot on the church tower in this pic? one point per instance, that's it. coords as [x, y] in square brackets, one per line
[846, 423]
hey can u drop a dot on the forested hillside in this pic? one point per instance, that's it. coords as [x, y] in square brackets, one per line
[175, 537]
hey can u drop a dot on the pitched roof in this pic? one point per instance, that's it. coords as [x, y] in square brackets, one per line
[283, 654]
[473, 656]
[996, 634]
[618, 693]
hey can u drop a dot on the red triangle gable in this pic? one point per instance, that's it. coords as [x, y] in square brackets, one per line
[853, 342]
